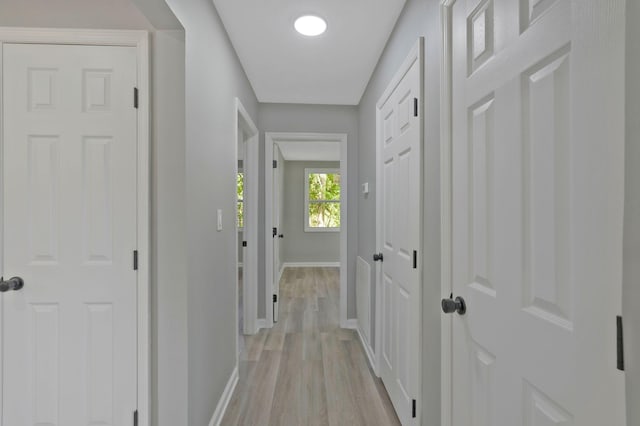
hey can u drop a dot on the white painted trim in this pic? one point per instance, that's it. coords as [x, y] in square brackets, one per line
[280, 272]
[446, 143]
[223, 403]
[272, 138]
[139, 40]
[261, 323]
[307, 172]
[250, 232]
[310, 265]
[416, 54]
[353, 324]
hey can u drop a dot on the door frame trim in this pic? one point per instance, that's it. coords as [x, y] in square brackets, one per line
[123, 38]
[415, 55]
[271, 138]
[446, 196]
[250, 231]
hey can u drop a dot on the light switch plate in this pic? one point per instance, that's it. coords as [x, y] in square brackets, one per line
[365, 188]
[219, 219]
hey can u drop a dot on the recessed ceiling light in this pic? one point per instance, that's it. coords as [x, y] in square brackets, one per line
[310, 25]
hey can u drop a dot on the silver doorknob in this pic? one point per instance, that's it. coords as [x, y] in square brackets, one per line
[15, 284]
[450, 305]
[377, 257]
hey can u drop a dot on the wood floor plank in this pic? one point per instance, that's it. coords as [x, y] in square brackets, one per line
[275, 341]
[341, 402]
[254, 345]
[373, 407]
[239, 398]
[314, 394]
[287, 407]
[256, 395]
[306, 370]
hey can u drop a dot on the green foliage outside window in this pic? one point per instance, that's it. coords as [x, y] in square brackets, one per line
[324, 200]
[240, 193]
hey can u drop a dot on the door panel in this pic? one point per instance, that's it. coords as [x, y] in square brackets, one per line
[400, 168]
[69, 161]
[277, 223]
[536, 212]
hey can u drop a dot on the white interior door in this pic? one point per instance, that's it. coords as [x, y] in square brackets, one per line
[537, 208]
[399, 169]
[277, 225]
[69, 171]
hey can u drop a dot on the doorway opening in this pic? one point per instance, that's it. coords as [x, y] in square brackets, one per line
[308, 173]
[246, 189]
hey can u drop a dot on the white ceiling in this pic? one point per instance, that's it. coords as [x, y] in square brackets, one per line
[286, 67]
[310, 151]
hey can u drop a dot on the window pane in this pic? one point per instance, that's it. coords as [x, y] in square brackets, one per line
[240, 186]
[240, 214]
[240, 193]
[324, 186]
[324, 215]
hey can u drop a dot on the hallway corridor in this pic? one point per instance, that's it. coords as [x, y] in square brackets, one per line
[307, 370]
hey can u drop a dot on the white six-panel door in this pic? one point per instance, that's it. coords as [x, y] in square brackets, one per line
[399, 186]
[69, 163]
[537, 207]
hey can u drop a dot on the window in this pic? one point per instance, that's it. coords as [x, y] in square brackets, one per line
[322, 200]
[240, 192]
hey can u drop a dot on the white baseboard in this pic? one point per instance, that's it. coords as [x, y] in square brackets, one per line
[311, 265]
[225, 398]
[353, 324]
[261, 323]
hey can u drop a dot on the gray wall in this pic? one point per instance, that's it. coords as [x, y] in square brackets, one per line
[298, 245]
[117, 14]
[631, 286]
[214, 77]
[168, 229]
[315, 119]
[419, 18]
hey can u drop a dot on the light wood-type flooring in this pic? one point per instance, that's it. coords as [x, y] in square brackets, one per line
[306, 370]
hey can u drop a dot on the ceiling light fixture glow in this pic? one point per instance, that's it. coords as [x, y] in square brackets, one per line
[310, 25]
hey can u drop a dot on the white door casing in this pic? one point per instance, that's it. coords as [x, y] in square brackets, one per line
[272, 138]
[70, 230]
[247, 132]
[532, 211]
[399, 219]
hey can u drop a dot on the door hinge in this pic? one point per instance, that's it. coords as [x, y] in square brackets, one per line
[135, 418]
[135, 260]
[135, 97]
[415, 107]
[415, 259]
[275, 298]
[244, 244]
[413, 409]
[620, 343]
[274, 232]
[275, 164]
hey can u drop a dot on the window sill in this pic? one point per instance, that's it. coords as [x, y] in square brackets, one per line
[314, 230]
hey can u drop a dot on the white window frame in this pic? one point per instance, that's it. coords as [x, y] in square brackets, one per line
[307, 172]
